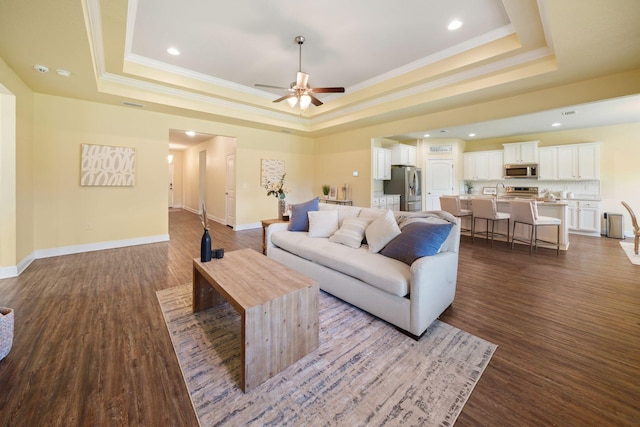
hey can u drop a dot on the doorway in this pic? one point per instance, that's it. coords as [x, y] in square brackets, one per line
[171, 199]
[439, 179]
[202, 179]
[230, 190]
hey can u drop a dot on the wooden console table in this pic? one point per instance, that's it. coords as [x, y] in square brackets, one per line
[278, 308]
[337, 202]
[265, 224]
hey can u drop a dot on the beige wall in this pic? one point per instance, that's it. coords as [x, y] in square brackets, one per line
[337, 156]
[16, 184]
[67, 214]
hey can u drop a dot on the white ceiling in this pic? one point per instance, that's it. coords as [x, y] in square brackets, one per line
[396, 60]
[348, 43]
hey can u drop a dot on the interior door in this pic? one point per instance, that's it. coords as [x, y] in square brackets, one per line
[439, 181]
[170, 185]
[230, 190]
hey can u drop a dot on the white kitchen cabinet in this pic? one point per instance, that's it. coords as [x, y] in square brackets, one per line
[393, 202]
[579, 161]
[521, 152]
[548, 166]
[403, 154]
[496, 164]
[584, 217]
[483, 165]
[381, 163]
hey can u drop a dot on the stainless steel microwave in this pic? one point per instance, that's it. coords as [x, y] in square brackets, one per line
[521, 171]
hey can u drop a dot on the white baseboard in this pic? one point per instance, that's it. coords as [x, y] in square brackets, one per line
[252, 226]
[90, 247]
[6, 272]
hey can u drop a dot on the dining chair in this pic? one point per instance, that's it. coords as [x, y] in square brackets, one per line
[486, 208]
[636, 229]
[526, 212]
[451, 204]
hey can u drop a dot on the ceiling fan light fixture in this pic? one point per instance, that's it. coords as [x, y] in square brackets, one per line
[305, 101]
[292, 101]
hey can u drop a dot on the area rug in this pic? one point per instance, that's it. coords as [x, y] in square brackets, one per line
[627, 247]
[365, 372]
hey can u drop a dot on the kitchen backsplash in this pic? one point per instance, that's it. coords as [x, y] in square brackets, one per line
[580, 189]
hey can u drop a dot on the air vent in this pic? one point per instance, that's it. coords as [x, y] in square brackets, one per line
[569, 113]
[132, 104]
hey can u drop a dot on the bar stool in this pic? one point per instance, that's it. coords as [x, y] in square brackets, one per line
[526, 212]
[451, 204]
[636, 228]
[485, 208]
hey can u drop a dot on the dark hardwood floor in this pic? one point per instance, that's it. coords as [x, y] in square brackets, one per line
[91, 348]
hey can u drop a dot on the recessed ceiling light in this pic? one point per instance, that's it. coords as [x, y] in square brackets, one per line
[556, 124]
[63, 73]
[426, 135]
[173, 51]
[190, 133]
[472, 134]
[454, 25]
[41, 68]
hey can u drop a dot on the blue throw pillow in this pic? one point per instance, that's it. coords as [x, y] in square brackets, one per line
[417, 240]
[299, 219]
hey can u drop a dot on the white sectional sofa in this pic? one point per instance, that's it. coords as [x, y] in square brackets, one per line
[410, 297]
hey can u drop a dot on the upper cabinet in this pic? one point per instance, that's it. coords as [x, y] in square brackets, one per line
[548, 166]
[521, 152]
[579, 161]
[381, 163]
[403, 154]
[569, 162]
[483, 165]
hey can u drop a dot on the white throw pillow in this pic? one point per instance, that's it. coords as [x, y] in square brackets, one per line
[352, 232]
[382, 230]
[323, 223]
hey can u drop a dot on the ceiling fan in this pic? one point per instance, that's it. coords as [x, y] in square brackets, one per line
[301, 92]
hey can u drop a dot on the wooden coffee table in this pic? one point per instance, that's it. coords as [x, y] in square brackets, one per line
[278, 308]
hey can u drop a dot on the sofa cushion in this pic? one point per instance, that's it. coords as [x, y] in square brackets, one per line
[386, 274]
[417, 240]
[299, 219]
[322, 223]
[344, 212]
[370, 213]
[381, 231]
[352, 232]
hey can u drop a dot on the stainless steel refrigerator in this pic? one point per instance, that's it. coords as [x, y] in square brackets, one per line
[407, 182]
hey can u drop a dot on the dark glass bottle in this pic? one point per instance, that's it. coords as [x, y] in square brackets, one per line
[205, 246]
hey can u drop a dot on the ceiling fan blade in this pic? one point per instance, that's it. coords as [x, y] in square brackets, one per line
[270, 86]
[315, 101]
[327, 90]
[282, 98]
[302, 79]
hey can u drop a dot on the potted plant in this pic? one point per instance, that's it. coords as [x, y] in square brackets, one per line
[325, 190]
[468, 186]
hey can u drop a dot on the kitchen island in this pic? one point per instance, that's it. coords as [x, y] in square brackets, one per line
[554, 209]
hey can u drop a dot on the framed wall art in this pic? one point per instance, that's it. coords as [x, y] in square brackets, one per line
[271, 171]
[106, 166]
[333, 192]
